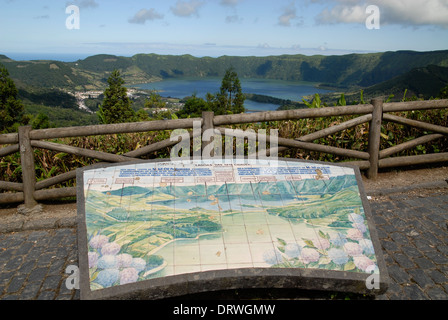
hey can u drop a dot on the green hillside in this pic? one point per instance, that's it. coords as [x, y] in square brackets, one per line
[426, 81]
[345, 71]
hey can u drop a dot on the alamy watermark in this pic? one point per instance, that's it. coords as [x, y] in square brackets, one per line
[209, 144]
[373, 20]
[72, 281]
[73, 21]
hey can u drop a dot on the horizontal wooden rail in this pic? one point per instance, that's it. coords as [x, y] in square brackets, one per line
[11, 186]
[415, 105]
[40, 195]
[291, 114]
[105, 129]
[9, 138]
[414, 160]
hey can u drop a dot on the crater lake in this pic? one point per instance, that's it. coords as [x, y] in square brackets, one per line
[184, 87]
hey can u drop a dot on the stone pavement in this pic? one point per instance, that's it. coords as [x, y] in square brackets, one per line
[412, 227]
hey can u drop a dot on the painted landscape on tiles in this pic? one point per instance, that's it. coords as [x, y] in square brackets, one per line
[144, 231]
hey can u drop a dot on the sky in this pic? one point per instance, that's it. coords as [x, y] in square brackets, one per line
[220, 27]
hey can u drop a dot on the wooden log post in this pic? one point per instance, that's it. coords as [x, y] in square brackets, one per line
[375, 138]
[28, 170]
[207, 134]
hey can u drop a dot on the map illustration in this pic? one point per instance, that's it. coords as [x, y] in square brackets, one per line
[158, 219]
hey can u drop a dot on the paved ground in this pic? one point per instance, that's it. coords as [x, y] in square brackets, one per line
[412, 226]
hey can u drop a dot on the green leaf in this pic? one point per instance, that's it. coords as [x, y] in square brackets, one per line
[282, 242]
[60, 155]
[349, 266]
[323, 235]
[309, 243]
[324, 260]
[93, 273]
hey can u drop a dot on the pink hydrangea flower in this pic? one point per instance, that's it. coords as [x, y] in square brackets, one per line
[98, 241]
[128, 275]
[363, 263]
[124, 260]
[360, 226]
[353, 249]
[354, 234]
[93, 259]
[110, 249]
[309, 255]
[321, 244]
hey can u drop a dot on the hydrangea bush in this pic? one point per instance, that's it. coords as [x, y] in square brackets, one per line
[348, 250]
[110, 265]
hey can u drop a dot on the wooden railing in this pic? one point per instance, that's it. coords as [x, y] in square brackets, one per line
[26, 140]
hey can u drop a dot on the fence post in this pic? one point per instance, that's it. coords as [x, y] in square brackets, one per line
[207, 123]
[28, 170]
[375, 137]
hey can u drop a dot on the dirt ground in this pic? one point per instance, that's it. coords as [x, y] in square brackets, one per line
[418, 182]
[406, 178]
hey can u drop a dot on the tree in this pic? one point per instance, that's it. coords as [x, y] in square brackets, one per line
[193, 108]
[230, 99]
[155, 101]
[444, 93]
[12, 112]
[41, 121]
[116, 107]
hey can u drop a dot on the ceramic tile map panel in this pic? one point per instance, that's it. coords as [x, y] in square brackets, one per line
[154, 220]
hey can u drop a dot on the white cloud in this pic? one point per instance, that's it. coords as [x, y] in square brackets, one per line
[186, 8]
[144, 15]
[289, 14]
[264, 46]
[400, 12]
[84, 3]
[230, 3]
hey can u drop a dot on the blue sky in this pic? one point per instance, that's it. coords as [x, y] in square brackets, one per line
[222, 27]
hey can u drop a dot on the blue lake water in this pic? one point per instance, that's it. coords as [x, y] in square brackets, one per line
[183, 87]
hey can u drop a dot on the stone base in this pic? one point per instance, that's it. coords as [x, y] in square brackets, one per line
[23, 210]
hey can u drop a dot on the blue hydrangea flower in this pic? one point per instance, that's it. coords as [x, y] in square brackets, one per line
[106, 278]
[293, 250]
[139, 264]
[367, 246]
[356, 218]
[107, 262]
[272, 256]
[338, 256]
[338, 240]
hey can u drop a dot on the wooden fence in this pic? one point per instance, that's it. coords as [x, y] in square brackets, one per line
[30, 192]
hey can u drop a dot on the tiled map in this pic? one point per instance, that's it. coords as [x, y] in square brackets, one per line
[158, 219]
